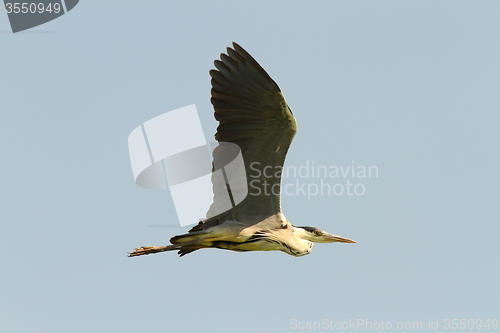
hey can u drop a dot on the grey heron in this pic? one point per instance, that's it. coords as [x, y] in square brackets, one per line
[252, 113]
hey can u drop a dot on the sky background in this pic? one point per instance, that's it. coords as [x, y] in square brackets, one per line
[411, 87]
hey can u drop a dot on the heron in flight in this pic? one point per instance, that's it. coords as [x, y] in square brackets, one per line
[252, 113]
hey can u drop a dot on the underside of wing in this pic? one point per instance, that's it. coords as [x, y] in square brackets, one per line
[252, 113]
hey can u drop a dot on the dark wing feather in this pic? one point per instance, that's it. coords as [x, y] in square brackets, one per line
[252, 113]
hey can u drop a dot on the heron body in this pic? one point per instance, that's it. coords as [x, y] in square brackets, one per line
[253, 114]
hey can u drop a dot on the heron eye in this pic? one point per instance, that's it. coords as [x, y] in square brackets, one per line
[318, 233]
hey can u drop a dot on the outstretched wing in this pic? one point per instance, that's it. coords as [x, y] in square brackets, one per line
[252, 113]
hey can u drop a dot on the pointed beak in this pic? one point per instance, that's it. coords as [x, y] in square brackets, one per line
[334, 238]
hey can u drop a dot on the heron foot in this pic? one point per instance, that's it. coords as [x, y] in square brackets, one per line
[145, 250]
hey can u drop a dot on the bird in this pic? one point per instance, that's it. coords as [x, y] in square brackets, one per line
[252, 113]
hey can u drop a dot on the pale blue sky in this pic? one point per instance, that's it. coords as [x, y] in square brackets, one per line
[411, 87]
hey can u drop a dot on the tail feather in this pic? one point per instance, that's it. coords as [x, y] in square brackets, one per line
[196, 236]
[188, 249]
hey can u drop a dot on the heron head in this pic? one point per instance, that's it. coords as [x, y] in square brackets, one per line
[316, 235]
